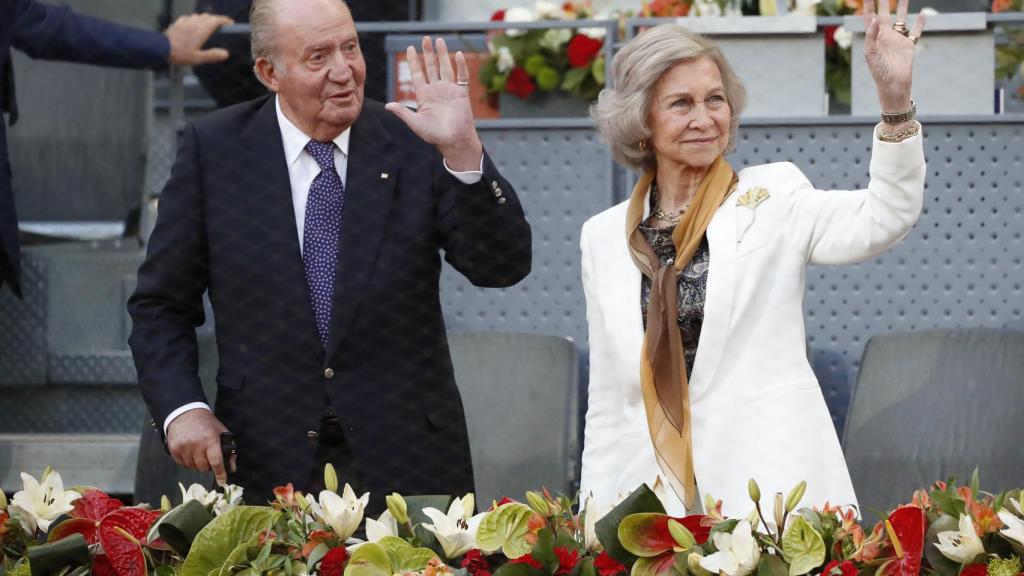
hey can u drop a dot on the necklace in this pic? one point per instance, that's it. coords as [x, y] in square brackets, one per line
[671, 218]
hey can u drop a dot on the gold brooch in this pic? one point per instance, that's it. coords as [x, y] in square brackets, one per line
[753, 197]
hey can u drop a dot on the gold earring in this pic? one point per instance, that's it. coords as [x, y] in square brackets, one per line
[642, 145]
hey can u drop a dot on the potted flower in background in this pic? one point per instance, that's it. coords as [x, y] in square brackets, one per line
[545, 72]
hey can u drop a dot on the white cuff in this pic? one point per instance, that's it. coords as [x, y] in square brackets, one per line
[182, 410]
[470, 177]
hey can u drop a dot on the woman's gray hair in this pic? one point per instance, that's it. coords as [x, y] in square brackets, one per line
[621, 112]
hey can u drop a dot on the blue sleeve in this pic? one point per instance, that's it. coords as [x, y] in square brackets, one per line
[57, 33]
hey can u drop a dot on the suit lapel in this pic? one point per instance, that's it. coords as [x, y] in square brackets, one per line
[721, 235]
[369, 190]
[268, 197]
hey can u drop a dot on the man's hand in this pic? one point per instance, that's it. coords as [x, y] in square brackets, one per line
[194, 441]
[444, 115]
[187, 36]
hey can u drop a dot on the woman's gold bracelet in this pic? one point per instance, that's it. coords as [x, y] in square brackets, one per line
[899, 135]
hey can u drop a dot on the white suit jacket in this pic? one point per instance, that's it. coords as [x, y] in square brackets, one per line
[757, 409]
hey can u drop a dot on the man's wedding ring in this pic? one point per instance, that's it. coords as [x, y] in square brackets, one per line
[463, 82]
[901, 27]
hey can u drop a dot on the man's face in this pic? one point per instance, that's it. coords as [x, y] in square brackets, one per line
[317, 70]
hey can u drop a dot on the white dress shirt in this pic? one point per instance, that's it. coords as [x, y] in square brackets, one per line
[302, 169]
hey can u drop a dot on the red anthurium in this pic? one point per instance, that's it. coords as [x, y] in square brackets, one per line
[908, 523]
[647, 536]
[122, 533]
[975, 570]
[94, 505]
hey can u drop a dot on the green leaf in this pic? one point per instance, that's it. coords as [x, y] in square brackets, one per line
[56, 556]
[663, 565]
[641, 500]
[178, 528]
[217, 541]
[316, 555]
[573, 78]
[370, 559]
[726, 526]
[517, 570]
[585, 567]
[646, 535]
[544, 550]
[416, 504]
[938, 562]
[597, 69]
[975, 483]
[803, 546]
[948, 503]
[771, 565]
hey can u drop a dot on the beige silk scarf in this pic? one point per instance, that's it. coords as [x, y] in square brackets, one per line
[663, 379]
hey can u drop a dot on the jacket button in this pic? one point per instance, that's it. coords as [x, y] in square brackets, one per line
[329, 373]
[312, 435]
[501, 200]
[497, 192]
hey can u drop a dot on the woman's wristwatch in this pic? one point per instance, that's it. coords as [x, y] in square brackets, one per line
[895, 118]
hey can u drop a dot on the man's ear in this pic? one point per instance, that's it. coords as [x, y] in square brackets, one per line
[267, 73]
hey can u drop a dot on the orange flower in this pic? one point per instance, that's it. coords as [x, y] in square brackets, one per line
[1002, 5]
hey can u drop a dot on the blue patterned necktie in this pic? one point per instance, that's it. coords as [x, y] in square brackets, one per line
[320, 234]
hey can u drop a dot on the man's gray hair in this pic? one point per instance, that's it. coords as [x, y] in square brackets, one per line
[261, 23]
[621, 113]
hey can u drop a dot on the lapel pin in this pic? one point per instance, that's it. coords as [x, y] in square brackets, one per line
[753, 197]
[383, 175]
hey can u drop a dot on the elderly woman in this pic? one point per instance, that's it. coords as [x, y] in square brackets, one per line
[698, 368]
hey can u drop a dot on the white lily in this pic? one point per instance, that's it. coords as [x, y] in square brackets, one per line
[215, 501]
[547, 10]
[553, 39]
[738, 553]
[386, 525]
[960, 546]
[1014, 529]
[506, 61]
[1017, 505]
[456, 531]
[38, 505]
[342, 513]
[592, 512]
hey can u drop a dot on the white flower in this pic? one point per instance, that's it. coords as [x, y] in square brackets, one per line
[596, 32]
[546, 10]
[1014, 529]
[555, 38]
[738, 553]
[1014, 503]
[215, 501]
[929, 11]
[843, 37]
[505, 60]
[342, 513]
[960, 546]
[37, 505]
[386, 525]
[518, 14]
[456, 531]
[592, 512]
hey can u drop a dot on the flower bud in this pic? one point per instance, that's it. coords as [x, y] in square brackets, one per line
[165, 503]
[301, 499]
[796, 495]
[46, 474]
[398, 508]
[537, 502]
[754, 491]
[779, 512]
[693, 563]
[681, 535]
[754, 518]
[330, 478]
[468, 505]
[3, 501]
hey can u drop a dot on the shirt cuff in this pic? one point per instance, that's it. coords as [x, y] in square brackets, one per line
[470, 177]
[186, 408]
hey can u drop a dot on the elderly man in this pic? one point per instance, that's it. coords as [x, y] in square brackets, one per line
[316, 220]
[56, 33]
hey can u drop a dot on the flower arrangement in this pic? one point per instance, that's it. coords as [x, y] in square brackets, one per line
[525, 62]
[948, 530]
[1010, 56]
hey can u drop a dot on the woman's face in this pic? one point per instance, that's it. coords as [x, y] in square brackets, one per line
[690, 116]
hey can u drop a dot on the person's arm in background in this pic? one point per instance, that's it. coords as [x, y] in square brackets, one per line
[57, 33]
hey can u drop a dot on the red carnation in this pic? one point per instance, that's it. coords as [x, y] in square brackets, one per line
[527, 559]
[520, 83]
[567, 560]
[845, 569]
[498, 16]
[333, 563]
[582, 50]
[608, 566]
[475, 563]
[975, 570]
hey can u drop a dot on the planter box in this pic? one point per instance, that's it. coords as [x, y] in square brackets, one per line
[954, 68]
[781, 60]
[553, 104]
